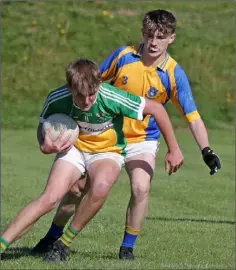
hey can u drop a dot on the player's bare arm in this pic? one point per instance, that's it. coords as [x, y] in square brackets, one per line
[199, 132]
[174, 158]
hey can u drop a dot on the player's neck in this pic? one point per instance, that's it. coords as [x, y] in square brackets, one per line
[153, 61]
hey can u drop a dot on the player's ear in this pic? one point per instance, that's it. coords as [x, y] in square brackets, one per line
[172, 38]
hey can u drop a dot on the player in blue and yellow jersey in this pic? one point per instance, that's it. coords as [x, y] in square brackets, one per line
[99, 110]
[149, 71]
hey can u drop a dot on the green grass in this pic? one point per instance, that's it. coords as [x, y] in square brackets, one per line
[40, 38]
[191, 214]
[190, 224]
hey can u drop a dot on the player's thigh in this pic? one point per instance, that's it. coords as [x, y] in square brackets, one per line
[66, 170]
[141, 159]
[103, 168]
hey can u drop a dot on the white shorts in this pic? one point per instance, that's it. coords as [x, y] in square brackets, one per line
[134, 149]
[83, 160]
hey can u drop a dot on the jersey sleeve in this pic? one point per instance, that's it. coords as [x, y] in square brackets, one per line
[108, 66]
[181, 96]
[120, 102]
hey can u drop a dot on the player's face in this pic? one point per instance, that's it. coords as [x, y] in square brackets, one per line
[156, 44]
[84, 102]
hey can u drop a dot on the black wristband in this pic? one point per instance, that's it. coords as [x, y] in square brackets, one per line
[205, 150]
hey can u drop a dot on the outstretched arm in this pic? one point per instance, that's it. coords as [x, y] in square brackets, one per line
[181, 96]
[174, 158]
[199, 132]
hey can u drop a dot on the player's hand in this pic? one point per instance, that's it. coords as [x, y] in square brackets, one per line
[61, 144]
[211, 160]
[173, 160]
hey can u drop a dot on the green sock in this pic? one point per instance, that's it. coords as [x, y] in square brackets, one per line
[4, 244]
[68, 236]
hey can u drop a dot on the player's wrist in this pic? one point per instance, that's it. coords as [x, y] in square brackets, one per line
[206, 150]
[173, 148]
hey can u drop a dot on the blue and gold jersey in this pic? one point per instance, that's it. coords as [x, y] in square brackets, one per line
[165, 82]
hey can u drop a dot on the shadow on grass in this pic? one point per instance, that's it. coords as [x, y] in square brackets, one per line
[17, 252]
[192, 220]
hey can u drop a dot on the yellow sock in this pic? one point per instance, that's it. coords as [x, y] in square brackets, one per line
[68, 236]
[132, 231]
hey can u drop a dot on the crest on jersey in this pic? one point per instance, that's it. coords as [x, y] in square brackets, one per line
[100, 114]
[152, 92]
[101, 117]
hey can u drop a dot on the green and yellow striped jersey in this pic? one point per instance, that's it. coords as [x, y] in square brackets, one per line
[100, 126]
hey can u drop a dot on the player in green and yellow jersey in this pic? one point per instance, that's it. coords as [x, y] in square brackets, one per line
[99, 110]
[100, 131]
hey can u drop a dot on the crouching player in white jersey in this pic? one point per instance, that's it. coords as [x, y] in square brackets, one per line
[99, 109]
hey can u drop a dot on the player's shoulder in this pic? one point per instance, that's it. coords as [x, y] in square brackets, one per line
[59, 93]
[107, 88]
[125, 50]
[172, 66]
[107, 91]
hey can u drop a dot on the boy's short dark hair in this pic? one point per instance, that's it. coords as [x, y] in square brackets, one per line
[161, 20]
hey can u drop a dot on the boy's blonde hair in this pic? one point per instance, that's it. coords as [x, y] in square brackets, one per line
[83, 77]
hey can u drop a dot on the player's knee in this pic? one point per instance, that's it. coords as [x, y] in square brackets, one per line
[75, 191]
[100, 190]
[140, 190]
[78, 188]
[48, 202]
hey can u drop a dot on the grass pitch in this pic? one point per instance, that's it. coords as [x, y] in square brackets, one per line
[190, 224]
